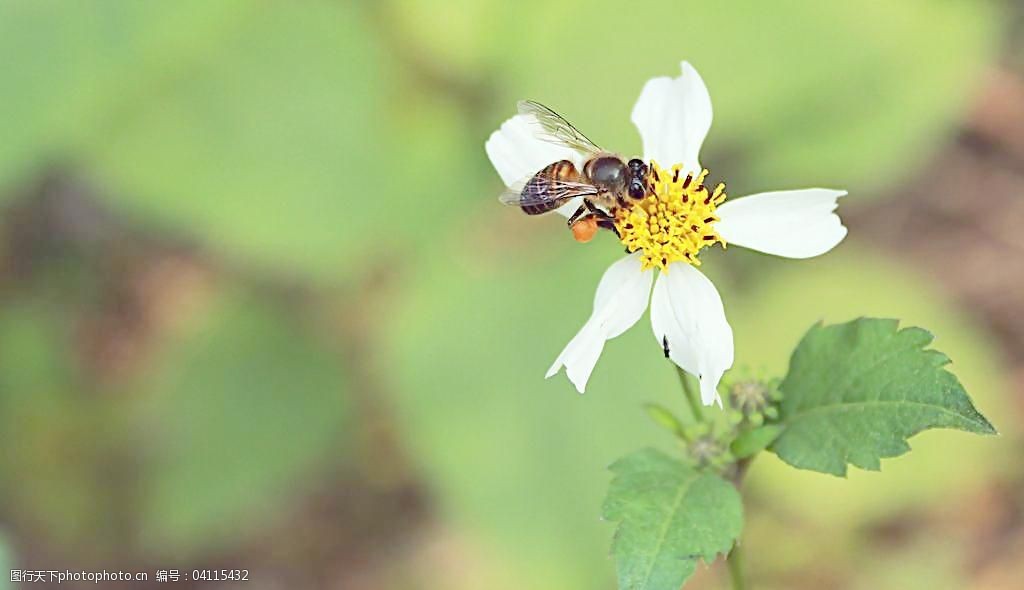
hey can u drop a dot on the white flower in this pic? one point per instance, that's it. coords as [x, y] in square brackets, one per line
[668, 229]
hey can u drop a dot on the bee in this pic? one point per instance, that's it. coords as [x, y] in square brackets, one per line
[605, 183]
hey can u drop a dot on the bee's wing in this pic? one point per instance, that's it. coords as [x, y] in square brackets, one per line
[555, 129]
[545, 191]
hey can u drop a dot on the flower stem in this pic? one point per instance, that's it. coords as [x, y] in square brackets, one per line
[735, 562]
[692, 395]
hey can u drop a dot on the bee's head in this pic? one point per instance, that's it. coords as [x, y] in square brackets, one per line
[637, 183]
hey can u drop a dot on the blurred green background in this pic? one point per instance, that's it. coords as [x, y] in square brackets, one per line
[260, 309]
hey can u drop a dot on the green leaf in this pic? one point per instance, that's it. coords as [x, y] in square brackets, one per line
[859, 280]
[670, 515]
[857, 391]
[754, 441]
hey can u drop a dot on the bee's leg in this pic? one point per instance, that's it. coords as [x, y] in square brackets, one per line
[604, 219]
[578, 214]
[608, 223]
[597, 211]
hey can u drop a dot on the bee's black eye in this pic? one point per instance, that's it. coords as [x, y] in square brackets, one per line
[638, 175]
[608, 172]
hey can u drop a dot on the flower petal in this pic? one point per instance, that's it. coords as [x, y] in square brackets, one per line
[517, 153]
[621, 299]
[794, 224]
[687, 313]
[579, 357]
[570, 207]
[622, 295]
[673, 116]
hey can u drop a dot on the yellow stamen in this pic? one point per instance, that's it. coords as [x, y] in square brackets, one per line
[674, 221]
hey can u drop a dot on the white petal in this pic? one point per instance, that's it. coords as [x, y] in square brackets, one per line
[794, 224]
[517, 153]
[580, 356]
[674, 116]
[687, 312]
[622, 295]
[570, 207]
[621, 299]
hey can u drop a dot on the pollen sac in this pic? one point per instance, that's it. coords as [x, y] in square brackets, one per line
[584, 229]
[674, 221]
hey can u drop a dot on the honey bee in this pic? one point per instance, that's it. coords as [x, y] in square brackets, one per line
[605, 183]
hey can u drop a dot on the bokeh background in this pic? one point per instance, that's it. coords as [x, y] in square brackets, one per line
[260, 309]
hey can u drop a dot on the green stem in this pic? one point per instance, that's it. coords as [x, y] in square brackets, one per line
[692, 395]
[735, 562]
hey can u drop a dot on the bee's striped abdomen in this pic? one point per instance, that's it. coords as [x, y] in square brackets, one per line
[539, 187]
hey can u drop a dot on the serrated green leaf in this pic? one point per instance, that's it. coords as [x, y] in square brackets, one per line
[754, 441]
[670, 515]
[855, 393]
[855, 280]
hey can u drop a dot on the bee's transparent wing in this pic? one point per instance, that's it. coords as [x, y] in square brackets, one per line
[555, 129]
[545, 191]
[514, 193]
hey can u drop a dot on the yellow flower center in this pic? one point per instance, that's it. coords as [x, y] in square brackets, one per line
[674, 221]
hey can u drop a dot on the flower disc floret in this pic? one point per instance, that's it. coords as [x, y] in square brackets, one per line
[674, 221]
